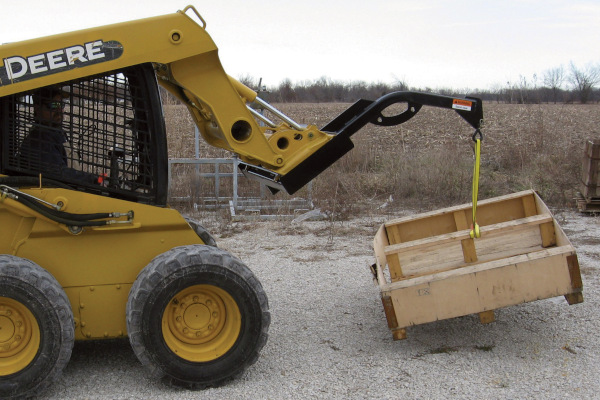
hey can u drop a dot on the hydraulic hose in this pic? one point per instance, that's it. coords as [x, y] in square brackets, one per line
[62, 217]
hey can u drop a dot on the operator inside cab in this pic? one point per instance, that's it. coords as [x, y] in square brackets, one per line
[43, 149]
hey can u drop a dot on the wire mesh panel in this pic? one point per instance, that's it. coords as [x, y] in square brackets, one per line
[103, 133]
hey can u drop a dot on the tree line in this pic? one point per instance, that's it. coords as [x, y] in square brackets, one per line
[556, 85]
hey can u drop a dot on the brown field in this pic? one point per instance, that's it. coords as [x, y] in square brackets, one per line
[427, 162]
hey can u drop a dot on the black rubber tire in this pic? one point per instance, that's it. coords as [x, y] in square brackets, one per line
[169, 274]
[202, 233]
[35, 288]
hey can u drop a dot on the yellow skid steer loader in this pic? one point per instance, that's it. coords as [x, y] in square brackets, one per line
[89, 248]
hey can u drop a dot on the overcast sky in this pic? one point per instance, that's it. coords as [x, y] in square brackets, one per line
[458, 44]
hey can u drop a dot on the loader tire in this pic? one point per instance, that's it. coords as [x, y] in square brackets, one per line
[36, 328]
[197, 317]
[202, 233]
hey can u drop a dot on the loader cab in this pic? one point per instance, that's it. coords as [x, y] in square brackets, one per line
[103, 134]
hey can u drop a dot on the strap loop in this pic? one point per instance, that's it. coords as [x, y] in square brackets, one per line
[475, 233]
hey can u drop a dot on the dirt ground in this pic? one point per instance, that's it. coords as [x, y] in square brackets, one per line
[329, 337]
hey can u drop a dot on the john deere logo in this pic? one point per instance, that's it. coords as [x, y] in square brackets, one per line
[18, 68]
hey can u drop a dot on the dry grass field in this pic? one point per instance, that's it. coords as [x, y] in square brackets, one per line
[427, 162]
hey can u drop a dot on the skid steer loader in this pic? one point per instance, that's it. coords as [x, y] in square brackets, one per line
[89, 248]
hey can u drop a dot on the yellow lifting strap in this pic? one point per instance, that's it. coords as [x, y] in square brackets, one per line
[475, 233]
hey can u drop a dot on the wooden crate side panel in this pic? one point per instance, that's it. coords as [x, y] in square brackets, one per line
[495, 213]
[480, 291]
[453, 297]
[438, 222]
[421, 228]
[436, 257]
[524, 282]
[503, 244]
[457, 253]
[590, 165]
[540, 205]
[560, 238]
[589, 169]
[476, 268]
[592, 148]
[589, 191]
[414, 305]
[456, 296]
[458, 219]
[379, 244]
[436, 300]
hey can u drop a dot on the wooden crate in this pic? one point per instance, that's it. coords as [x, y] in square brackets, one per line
[590, 170]
[428, 268]
[591, 206]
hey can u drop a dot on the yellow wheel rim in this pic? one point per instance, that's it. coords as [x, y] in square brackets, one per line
[19, 336]
[201, 323]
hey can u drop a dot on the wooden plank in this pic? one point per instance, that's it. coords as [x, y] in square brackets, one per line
[542, 208]
[499, 244]
[548, 234]
[415, 305]
[393, 234]
[395, 268]
[486, 317]
[469, 252]
[441, 256]
[465, 234]
[460, 219]
[477, 268]
[419, 228]
[590, 191]
[462, 207]
[390, 314]
[399, 334]
[468, 246]
[529, 206]
[380, 276]
[476, 291]
[590, 164]
[456, 296]
[587, 204]
[449, 254]
[592, 149]
[574, 273]
[495, 213]
[542, 278]
[574, 298]
[379, 244]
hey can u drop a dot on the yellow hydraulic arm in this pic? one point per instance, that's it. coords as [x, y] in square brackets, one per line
[283, 154]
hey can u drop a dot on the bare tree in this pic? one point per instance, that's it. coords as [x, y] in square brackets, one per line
[584, 80]
[554, 79]
[286, 91]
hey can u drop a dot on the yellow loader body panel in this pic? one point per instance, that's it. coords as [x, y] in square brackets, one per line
[98, 265]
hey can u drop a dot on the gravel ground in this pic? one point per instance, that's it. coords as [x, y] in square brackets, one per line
[329, 337]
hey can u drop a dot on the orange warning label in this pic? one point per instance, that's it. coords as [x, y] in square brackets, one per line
[459, 104]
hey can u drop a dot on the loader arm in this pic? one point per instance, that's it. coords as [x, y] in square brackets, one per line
[351, 121]
[284, 154]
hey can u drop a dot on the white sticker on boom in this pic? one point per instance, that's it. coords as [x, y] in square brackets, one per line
[459, 104]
